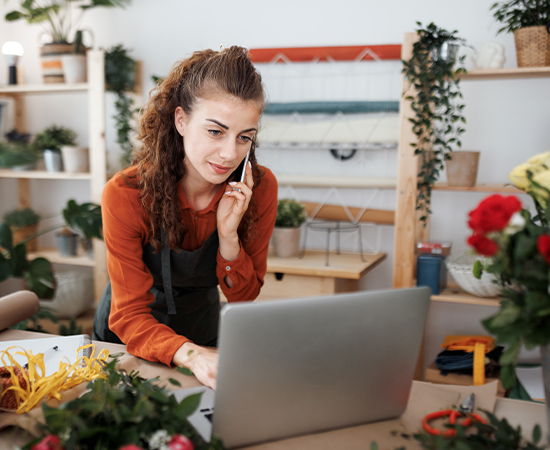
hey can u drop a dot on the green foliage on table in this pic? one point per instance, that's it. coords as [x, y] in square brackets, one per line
[120, 78]
[37, 273]
[13, 154]
[438, 120]
[58, 17]
[122, 409]
[290, 214]
[20, 218]
[497, 434]
[84, 219]
[33, 323]
[516, 14]
[53, 137]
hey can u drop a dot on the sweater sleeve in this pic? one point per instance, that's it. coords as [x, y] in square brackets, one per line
[247, 272]
[130, 318]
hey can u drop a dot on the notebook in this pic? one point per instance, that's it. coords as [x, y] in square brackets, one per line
[299, 366]
[66, 350]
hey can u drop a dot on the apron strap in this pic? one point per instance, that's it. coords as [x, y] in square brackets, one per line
[167, 277]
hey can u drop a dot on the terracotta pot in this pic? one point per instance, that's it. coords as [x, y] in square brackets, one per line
[50, 60]
[20, 234]
[462, 168]
[286, 242]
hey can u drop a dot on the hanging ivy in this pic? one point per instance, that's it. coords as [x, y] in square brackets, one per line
[120, 78]
[438, 120]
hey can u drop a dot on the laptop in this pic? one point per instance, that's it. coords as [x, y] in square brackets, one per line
[299, 366]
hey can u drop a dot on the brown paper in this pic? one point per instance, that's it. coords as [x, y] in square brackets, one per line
[17, 307]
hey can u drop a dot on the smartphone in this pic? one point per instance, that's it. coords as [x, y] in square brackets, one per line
[244, 166]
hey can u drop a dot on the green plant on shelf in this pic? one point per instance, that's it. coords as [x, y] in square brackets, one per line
[516, 14]
[21, 218]
[13, 154]
[290, 214]
[438, 117]
[54, 137]
[120, 78]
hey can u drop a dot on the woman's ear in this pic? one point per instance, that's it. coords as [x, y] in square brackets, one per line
[179, 119]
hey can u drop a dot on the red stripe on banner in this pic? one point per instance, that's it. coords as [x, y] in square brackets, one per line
[307, 54]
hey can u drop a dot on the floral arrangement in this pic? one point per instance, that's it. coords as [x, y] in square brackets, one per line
[123, 411]
[516, 245]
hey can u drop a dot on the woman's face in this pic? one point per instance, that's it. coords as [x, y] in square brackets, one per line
[216, 136]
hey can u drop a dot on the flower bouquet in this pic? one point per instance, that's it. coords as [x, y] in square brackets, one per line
[516, 244]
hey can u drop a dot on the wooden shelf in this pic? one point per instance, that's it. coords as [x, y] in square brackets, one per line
[456, 295]
[496, 74]
[502, 188]
[52, 255]
[344, 265]
[339, 182]
[44, 88]
[43, 175]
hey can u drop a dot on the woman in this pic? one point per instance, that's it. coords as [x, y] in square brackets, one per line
[180, 221]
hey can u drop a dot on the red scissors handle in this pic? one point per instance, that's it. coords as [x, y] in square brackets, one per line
[453, 416]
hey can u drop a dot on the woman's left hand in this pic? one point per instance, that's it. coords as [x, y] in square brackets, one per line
[231, 209]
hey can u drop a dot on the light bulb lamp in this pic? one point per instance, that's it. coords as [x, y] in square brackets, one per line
[12, 50]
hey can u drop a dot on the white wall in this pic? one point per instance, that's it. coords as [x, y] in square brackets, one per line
[507, 120]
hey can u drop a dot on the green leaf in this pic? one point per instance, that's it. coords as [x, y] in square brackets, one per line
[189, 405]
[510, 355]
[373, 445]
[478, 269]
[536, 434]
[508, 376]
[507, 315]
[185, 371]
[6, 238]
[174, 382]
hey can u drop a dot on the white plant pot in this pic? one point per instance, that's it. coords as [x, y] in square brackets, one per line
[75, 159]
[74, 68]
[74, 294]
[52, 161]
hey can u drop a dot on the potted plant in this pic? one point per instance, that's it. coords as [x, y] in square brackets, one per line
[120, 78]
[24, 225]
[50, 141]
[59, 19]
[529, 21]
[286, 234]
[17, 156]
[84, 221]
[517, 245]
[37, 274]
[437, 121]
[74, 64]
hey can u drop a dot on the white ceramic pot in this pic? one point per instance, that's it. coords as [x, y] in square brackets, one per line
[286, 242]
[52, 161]
[74, 294]
[74, 68]
[75, 159]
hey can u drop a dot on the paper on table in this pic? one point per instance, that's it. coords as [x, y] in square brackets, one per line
[67, 348]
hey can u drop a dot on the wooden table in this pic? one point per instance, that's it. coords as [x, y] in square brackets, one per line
[424, 398]
[310, 276]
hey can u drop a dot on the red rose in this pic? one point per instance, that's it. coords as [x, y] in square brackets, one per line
[493, 213]
[483, 245]
[50, 442]
[180, 442]
[543, 246]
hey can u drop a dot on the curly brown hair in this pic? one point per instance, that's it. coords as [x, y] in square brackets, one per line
[159, 161]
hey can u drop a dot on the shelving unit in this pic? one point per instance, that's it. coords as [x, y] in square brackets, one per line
[408, 229]
[95, 88]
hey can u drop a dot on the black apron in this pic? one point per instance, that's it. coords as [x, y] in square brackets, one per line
[185, 287]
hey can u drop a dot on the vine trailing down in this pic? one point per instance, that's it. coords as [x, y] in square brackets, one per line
[438, 119]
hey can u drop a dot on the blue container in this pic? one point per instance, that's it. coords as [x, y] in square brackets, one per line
[431, 272]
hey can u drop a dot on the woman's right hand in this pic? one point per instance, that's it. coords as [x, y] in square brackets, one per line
[202, 361]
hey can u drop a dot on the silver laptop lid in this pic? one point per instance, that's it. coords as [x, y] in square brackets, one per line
[292, 367]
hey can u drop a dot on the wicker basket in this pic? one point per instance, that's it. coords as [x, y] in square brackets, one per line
[532, 46]
[461, 270]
